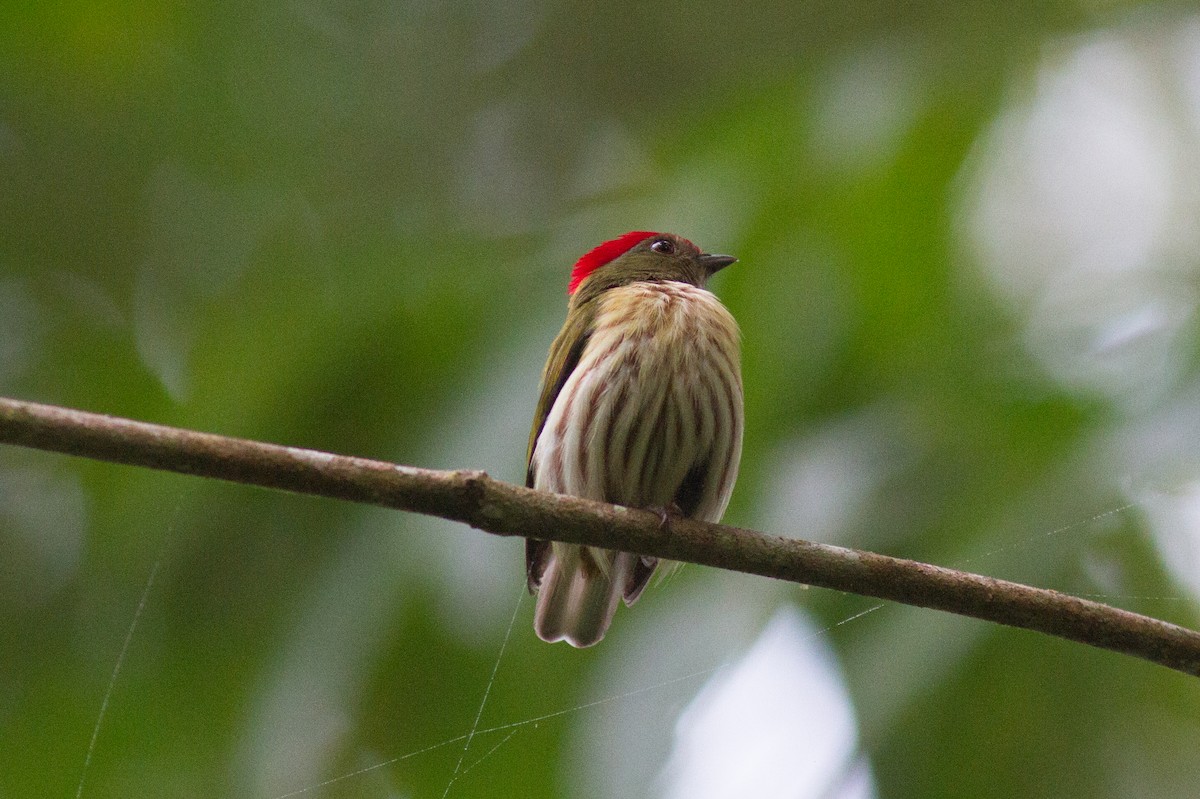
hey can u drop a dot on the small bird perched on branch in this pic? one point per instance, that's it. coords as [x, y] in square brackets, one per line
[640, 405]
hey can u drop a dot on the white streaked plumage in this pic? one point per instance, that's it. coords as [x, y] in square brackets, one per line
[656, 397]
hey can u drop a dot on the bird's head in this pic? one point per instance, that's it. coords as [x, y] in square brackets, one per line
[642, 255]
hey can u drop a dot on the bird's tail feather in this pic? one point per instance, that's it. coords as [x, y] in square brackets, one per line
[579, 593]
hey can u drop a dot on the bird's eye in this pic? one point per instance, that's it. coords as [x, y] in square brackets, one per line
[664, 246]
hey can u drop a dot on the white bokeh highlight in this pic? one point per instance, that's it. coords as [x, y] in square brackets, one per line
[1175, 518]
[1082, 206]
[1081, 217]
[777, 724]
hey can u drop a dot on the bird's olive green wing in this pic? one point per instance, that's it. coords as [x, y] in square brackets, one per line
[565, 353]
[564, 356]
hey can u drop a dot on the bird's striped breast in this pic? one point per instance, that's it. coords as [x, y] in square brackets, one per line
[654, 402]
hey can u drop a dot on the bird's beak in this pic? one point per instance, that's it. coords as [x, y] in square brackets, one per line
[715, 263]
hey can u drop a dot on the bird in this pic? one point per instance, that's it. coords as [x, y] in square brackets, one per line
[640, 405]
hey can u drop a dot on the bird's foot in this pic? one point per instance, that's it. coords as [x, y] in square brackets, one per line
[665, 514]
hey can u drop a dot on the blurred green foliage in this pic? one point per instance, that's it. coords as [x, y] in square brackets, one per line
[349, 227]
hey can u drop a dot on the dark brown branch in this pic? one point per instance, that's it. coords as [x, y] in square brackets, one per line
[476, 499]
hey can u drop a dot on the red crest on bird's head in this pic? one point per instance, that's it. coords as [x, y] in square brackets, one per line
[597, 257]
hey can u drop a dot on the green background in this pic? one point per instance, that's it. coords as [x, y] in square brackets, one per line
[967, 288]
